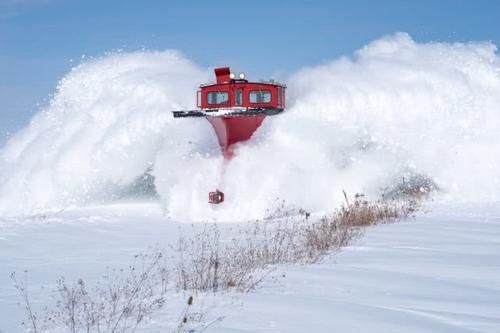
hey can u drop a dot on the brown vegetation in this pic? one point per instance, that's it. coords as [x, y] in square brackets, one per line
[208, 262]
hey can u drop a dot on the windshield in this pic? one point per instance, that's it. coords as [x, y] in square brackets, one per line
[260, 96]
[217, 97]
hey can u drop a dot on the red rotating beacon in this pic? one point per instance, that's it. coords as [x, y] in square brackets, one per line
[236, 108]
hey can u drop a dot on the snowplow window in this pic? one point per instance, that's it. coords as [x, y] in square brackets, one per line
[260, 96]
[217, 97]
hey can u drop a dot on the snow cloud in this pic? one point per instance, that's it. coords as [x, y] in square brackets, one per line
[395, 110]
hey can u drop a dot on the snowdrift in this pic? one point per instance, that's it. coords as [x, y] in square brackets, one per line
[397, 111]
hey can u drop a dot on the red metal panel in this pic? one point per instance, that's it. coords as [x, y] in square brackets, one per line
[231, 130]
[222, 74]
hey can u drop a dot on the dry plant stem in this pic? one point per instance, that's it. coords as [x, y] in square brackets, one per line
[208, 263]
[118, 303]
[22, 289]
[184, 318]
[123, 299]
[133, 296]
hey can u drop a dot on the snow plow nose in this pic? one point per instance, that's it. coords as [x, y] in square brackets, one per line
[215, 197]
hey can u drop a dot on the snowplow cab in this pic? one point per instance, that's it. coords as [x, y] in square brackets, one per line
[236, 92]
[234, 95]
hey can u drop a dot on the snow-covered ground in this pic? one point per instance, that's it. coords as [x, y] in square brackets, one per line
[395, 113]
[437, 273]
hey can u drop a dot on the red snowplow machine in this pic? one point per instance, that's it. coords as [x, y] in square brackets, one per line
[235, 107]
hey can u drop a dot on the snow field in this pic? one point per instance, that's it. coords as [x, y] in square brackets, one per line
[438, 273]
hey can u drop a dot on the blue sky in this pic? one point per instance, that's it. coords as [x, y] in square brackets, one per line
[40, 40]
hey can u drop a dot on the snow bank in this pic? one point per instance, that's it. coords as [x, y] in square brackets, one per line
[397, 110]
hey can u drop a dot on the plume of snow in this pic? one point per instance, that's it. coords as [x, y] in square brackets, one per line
[102, 131]
[396, 110]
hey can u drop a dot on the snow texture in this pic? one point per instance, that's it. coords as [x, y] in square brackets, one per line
[438, 273]
[397, 109]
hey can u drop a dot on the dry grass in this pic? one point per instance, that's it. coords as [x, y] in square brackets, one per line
[120, 302]
[207, 262]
